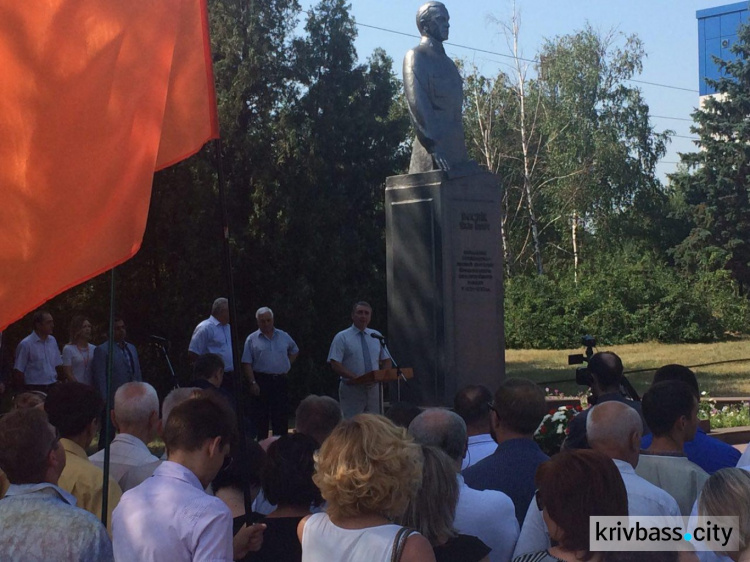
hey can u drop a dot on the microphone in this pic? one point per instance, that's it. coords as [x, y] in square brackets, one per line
[378, 337]
[158, 338]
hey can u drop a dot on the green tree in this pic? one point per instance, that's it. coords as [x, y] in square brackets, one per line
[601, 144]
[342, 137]
[713, 184]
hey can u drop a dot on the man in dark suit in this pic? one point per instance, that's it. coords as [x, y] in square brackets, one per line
[517, 411]
[125, 367]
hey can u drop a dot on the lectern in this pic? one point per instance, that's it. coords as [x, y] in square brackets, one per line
[381, 376]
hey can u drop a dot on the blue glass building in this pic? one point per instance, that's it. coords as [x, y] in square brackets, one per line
[717, 31]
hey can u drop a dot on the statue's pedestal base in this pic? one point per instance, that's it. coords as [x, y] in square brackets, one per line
[445, 287]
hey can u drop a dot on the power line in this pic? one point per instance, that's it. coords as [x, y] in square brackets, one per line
[663, 85]
[449, 43]
[673, 118]
[476, 49]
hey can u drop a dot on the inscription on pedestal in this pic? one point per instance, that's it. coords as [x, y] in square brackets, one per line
[474, 244]
[475, 272]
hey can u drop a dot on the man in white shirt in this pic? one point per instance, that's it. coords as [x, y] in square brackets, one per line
[671, 412]
[487, 514]
[213, 335]
[472, 403]
[137, 474]
[612, 428]
[136, 417]
[37, 356]
[354, 352]
[170, 516]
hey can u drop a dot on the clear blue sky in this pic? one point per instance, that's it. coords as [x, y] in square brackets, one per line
[668, 29]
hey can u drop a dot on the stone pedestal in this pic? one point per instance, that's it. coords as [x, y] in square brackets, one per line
[445, 287]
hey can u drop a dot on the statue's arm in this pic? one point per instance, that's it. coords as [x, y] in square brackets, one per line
[423, 117]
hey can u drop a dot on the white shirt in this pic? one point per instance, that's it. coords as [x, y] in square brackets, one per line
[171, 517]
[37, 359]
[346, 348]
[79, 361]
[679, 477]
[322, 541]
[211, 336]
[480, 447]
[125, 452]
[489, 515]
[643, 499]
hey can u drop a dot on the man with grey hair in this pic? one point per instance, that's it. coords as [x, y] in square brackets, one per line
[486, 514]
[266, 359]
[136, 418]
[317, 417]
[137, 474]
[213, 335]
[612, 428]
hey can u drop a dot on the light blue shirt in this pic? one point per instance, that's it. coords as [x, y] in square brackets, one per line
[346, 348]
[269, 355]
[480, 447]
[171, 517]
[643, 499]
[37, 359]
[41, 522]
[489, 515]
[211, 336]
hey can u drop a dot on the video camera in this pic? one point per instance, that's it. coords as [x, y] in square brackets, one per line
[583, 375]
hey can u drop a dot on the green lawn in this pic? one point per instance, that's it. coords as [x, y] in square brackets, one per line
[550, 366]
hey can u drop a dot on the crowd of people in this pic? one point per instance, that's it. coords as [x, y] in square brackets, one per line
[467, 484]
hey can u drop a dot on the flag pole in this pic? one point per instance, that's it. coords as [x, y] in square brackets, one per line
[238, 384]
[108, 398]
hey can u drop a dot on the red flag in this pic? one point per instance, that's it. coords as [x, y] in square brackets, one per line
[94, 97]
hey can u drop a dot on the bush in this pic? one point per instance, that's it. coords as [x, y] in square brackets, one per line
[623, 298]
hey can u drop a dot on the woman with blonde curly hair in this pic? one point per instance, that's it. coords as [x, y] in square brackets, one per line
[368, 470]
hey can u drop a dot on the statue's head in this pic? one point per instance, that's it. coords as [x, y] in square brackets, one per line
[432, 20]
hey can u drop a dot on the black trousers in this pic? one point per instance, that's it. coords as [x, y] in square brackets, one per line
[272, 404]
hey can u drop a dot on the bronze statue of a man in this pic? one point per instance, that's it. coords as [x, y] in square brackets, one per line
[434, 91]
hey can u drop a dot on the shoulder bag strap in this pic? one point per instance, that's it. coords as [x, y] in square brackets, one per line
[399, 542]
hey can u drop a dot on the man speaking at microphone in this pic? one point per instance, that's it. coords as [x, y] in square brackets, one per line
[354, 352]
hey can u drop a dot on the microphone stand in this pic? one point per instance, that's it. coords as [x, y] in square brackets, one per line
[400, 374]
[163, 349]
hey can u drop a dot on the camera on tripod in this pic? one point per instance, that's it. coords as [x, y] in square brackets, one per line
[583, 375]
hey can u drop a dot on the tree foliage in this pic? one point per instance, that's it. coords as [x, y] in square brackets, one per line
[713, 184]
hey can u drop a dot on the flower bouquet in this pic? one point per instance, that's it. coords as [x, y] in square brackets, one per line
[554, 428]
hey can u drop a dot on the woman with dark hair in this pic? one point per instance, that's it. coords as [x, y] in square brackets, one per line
[287, 483]
[227, 486]
[78, 354]
[572, 487]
